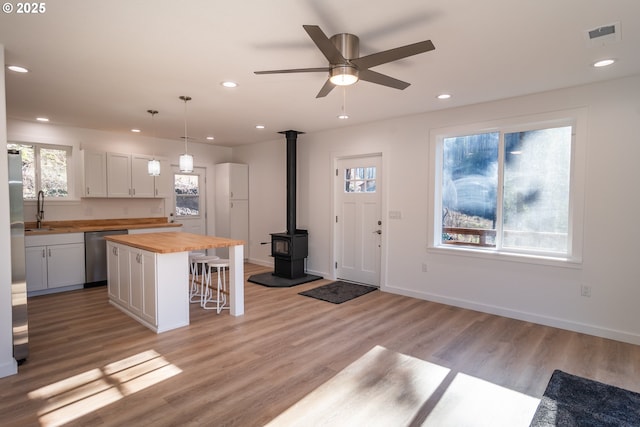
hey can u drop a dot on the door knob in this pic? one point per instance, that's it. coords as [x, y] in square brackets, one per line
[378, 231]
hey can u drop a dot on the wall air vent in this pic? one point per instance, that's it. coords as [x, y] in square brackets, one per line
[603, 35]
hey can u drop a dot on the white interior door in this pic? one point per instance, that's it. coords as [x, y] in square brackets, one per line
[358, 219]
[189, 204]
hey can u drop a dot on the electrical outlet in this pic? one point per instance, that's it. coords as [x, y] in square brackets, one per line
[585, 291]
[424, 267]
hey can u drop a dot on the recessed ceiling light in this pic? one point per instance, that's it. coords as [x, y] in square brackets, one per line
[343, 117]
[603, 63]
[229, 84]
[17, 69]
[259, 126]
[42, 119]
[444, 96]
[136, 130]
[210, 138]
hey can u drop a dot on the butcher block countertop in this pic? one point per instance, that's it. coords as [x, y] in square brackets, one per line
[81, 226]
[165, 243]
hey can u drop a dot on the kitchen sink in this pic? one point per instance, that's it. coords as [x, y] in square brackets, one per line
[38, 229]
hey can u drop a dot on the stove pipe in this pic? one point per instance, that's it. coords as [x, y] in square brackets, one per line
[292, 136]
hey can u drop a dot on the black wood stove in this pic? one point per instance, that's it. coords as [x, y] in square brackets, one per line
[289, 249]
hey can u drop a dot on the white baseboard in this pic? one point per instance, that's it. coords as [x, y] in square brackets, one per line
[261, 262]
[555, 322]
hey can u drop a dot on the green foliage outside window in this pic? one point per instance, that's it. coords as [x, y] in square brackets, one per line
[43, 168]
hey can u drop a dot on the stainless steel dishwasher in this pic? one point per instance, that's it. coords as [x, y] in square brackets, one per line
[95, 256]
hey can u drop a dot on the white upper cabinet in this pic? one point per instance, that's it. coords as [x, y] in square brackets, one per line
[95, 173]
[238, 181]
[142, 184]
[164, 182]
[123, 175]
[119, 175]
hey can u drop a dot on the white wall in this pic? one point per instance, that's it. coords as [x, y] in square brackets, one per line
[8, 364]
[205, 155]
[539, 293]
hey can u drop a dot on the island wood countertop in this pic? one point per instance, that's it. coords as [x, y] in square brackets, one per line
[164, 243]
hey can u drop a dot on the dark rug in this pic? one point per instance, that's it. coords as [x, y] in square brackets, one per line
[338, 292]
[268, 279]
[575, 401]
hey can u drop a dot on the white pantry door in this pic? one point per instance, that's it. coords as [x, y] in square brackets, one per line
[358, 219]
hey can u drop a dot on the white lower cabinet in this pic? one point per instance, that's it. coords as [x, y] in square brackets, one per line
[143, 284]
[151, 291]
[54, 262]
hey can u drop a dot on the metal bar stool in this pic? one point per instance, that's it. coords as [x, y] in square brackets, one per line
[196, 271]
[220, 300]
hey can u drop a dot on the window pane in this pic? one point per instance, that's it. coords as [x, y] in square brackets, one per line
[469, 189]
[53, 172]
[360, 180]
[536, 189]
[28, 170]
[187, 192]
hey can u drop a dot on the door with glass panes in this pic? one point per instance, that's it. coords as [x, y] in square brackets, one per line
[358, 226]
[189, 205]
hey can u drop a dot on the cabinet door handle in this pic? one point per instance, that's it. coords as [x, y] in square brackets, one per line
[88, 191]
[44, 254]
[231, 192]
[49, 252]
[231, 205]
[134, 191]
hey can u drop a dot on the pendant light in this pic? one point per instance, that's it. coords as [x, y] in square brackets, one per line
[153, 167]
[186, 160]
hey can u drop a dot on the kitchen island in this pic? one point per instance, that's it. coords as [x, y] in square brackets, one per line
[148, 275]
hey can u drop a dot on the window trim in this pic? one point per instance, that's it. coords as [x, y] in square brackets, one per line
[574, 117]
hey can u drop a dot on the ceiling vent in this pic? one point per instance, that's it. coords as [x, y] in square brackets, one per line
[603, 35]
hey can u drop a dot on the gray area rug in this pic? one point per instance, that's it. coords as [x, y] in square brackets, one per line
[570, 400]
[338, 292]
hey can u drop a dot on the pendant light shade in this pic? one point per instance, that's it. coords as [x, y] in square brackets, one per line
[186, 160]
[153, 166]
[186, 163]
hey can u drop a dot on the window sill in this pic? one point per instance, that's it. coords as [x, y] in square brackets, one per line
[494, 255]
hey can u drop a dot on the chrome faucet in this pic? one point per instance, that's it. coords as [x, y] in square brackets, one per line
[40, 209]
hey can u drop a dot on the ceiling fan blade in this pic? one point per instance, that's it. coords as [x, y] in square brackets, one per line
[393, 54]
[381, 79]
[328, 87]
[326, 46]
[295, 70]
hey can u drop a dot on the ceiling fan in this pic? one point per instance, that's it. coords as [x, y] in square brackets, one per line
[346, 66]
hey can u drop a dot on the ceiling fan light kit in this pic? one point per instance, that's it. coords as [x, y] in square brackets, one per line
[346, 66]
[343, 75]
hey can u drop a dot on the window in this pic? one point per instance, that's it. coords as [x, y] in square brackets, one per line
[360, 180]
[44, 167]
[187, 193]
[509, 190]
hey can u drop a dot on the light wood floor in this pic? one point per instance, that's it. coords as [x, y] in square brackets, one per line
[93, 365]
